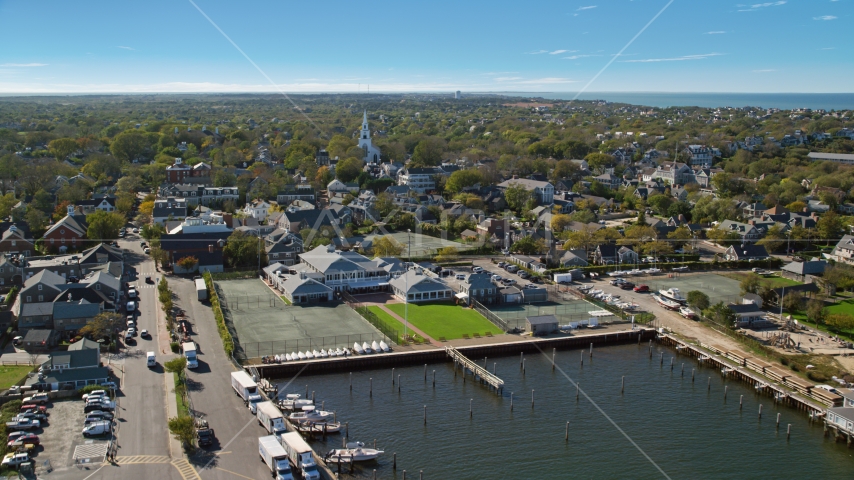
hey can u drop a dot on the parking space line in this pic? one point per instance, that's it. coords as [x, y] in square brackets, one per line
[234, 473]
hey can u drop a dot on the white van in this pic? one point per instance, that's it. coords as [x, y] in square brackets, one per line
[152, 360]
[97, 428]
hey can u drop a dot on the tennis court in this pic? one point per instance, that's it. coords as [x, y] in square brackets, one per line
[717, 287]
[418, 245]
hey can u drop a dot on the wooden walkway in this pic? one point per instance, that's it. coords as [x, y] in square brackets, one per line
[477, 371]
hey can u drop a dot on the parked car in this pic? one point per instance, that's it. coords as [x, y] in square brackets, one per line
[97, 428]
[18, 340]
[104, 406]
[109, 385]
[132, 331]
[524, 274]
[41, 417]
[496, 278]
[460, 276]
[95, 394]
[641, 288]
[16, 435]
[530, 286]
[146, 251]
[23, 424]
[627, 285]
[103, 415]
[32, 406]
[148, 280]
[14, 460]
[37, 398]
[508, 281]
[142, 244]
[25, 439]
[617, 281]
[144, 333]
[477, 269]
[501, 264]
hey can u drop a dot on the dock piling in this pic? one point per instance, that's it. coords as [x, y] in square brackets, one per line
[425, 373]
[425, 414]
[392, 375]
[591, 349]
[778, 421]
[371, 390]
[710, 384]
[306, 391]
[760, 410]
[623, 385]
[434, 378]
[725, 389]
[740, 401]
[398, 383]
[532, 399]
[582, 358]
[661, 359]
[494, 367]
[566, 437]
[788, 431]
[577, 388]
[671, 364]
[394, 461]
[471, 414]
[521, 359]
[511, 401]
[683, 369]
[375, 474]
[554, 350]
[692, 375]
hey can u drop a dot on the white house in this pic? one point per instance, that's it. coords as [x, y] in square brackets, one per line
[544, 192]
[257, 209]
[337, 186]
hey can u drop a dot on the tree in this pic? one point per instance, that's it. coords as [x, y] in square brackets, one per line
[104, 226]
[721, 314]
[721, 236]
[564, 169]
[598, 162]
[560, 222]
[461, 179]
[793, 302]
[528, 246]
[103, 325]
[62, 148]
[840, 322]
[7, 201]
[428, 152]
[816, 311]
[177, 366]
[657, 247]
[584, 238]
[774, 238]
[387, 246]
[188, 263]
[680, 236]
[659, 203]
[447, 254]
[348, 169]
[698, 300]
[129, 145]
[323, 176]
[37, 221]
[750, 283]
[829, 227]
[183, 429]
[243, 250]
[517, 197]
[583, 216]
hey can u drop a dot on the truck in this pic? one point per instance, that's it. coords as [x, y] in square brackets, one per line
[151, 360]
[301, 455]
[271, 418]
[563, 278]
[245, 387]
[190, 354]
[275, 456]
[201, 289]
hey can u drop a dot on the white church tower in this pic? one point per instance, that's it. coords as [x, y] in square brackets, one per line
[372, 153]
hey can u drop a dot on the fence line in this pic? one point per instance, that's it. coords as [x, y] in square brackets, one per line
[282, 347]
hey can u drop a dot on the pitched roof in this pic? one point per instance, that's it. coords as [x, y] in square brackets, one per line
[75, 223]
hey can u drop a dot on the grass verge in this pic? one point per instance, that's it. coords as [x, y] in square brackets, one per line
[225, 335]
[393, 322]
[445, 320]
[181, 397]
[12, 374]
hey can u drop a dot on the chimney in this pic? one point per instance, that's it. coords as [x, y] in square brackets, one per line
[227, 219]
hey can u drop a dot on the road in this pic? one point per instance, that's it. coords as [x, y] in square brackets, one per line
[234, 454]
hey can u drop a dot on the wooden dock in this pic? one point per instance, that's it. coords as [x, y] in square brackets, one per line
[477, 371]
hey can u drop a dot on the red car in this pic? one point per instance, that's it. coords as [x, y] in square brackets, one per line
[641, 288]
[26, 439]
[34, 408]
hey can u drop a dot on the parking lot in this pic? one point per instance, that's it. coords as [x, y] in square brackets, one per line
[488, 267]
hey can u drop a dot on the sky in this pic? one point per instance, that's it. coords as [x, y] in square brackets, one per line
[798, 46]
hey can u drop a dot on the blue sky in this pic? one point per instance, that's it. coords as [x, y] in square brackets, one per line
[536, 46]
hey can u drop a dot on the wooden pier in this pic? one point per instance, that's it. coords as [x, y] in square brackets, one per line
[478, 372]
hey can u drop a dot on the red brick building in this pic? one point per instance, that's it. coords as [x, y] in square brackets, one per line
[180, 172]
[70, 232]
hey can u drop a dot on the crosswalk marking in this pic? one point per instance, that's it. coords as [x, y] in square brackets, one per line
[186, 470]
[90, 450]
[136, 459]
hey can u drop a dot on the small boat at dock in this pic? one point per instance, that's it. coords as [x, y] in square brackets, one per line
[354, 452]
[312, 427]
[375, 346]
[293, 401]
[309, 414]
[358, 348]
[384, 346]
[302, 356]
[366, 347]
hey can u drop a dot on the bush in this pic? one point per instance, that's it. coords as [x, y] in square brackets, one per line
[176, 348]
[227, 340]
[817, 376]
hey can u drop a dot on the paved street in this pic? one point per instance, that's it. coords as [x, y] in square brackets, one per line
[235, 451]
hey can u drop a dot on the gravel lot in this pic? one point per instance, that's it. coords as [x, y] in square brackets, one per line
[63, 434]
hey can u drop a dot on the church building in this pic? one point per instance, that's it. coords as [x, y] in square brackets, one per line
[372, 153]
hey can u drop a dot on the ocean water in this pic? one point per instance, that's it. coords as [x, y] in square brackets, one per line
[786, 101]
[681, 429]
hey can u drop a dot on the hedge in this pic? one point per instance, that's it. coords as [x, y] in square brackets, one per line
[227, 341]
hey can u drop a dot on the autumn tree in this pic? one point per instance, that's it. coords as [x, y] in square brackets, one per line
[61, 148]
[188, 263]
[387, 246]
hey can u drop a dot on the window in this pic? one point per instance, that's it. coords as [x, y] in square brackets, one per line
[61, 231]
[41, 298]
[29, 299]
[14, 242]
[40, 286]
[97, 286]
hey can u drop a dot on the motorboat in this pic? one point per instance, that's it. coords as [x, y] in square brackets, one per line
[687, 313]
[375, 346]
[311, 427]
[302, 356]
[278, 359]
[384, 346]
[366, 348]
[653, 271]
[617, 273]
[309, 414]
[635, 271]
[673, 294]
[354, 452]
[666, 302]
[339, 352]
[293, 401]
[358, 348]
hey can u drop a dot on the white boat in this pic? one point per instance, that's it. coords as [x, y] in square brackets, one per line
[311, 427]
[384, 346]
[315, 353]
[375, 346]
[277, 359]
[309, 414]
[302, 356]
[687, 313]
[653, 270]
[294, 356]
[666, 302]
[293, 401]
[355, 452]
[635, 271]
[358, 348]
[339, 352]
[594, 292]
[616, 273]
[366, 348]
[673, 294]
[323, 353]
[331, 353]
[309, 354]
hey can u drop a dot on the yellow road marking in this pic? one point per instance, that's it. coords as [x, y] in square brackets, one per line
[186, 470]
[141, 459]
[234, 473]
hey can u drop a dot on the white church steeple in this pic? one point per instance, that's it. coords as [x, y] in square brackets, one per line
[372, 153]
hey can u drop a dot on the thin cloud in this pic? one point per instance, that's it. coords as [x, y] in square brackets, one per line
[767, 70]
[508, 79]
[124, 47]
[537, 52]
[23, 65]
[556, 52]
[757, 6]
[576, 57]
[825, 17]
[547, 80]
[716, 32]
[828, 48]
[591, 7]
[675, 59]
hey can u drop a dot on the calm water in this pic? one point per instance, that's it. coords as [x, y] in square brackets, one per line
[687, 431]
[787, 101]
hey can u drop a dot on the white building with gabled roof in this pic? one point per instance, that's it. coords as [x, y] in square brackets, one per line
[372, 153]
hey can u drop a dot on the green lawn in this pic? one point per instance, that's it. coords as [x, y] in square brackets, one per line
[444, 320]
[774, 281]
[12, 374]
[846, 306]
[392, 322]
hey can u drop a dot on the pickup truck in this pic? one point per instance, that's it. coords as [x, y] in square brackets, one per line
[14, 460]
[23, 424]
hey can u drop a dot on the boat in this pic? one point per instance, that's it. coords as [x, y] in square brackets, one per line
[309, 414]
[375, 346]
[315, 353]
[331, 353]
[666, 302]
[358, 348]
[288, 357]
[673, 294]
[366, 348]
[278, 359]
[635, 271]
[323, 353]
[617, 273]
[384, 346]
[687, 313]
[302, 356]
[308, 354]
[293, 401]
[354, 452]
[338, 352]
[311, 427]
[653, 271]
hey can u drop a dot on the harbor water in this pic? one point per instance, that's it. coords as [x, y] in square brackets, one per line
[662, 425]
